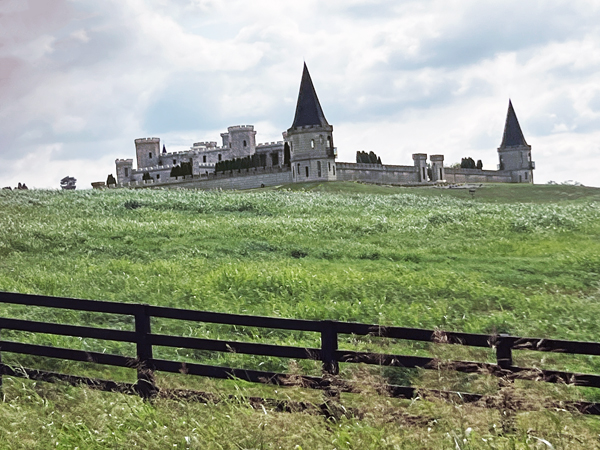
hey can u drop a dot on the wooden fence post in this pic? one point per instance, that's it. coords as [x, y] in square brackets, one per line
[329, 346]
[145, 373]
[503, 351]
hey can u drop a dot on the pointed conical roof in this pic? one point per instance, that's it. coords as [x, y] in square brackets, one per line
[308, 108]
[513, 136]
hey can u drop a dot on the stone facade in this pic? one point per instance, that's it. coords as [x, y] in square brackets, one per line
[307, 153]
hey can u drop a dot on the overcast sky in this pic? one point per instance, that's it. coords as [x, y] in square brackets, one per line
[81, 79]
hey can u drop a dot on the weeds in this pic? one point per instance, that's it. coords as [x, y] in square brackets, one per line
[429, 260]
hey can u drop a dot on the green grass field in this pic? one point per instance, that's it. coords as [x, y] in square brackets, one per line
[519, 259]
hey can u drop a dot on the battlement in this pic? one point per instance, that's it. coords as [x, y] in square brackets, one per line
[147, 140]
[268, 144]
[208, 144]
[123, 161]
[241, 127]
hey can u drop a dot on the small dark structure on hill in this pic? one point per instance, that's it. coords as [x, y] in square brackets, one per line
[68, 183]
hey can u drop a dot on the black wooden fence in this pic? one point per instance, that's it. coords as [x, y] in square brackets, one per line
[328, 353]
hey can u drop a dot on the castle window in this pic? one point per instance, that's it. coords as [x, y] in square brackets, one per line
[321, 139]
[150, 155]
[329, 166]
[525, 175]
[312, 144]
[158, 176]
[306, 171]
[126, 171]
[244, 143]
[298, 168]
[174, 161]
[334, 170]
[219, 157]
[441, 176]
[319, 169]
[230, 145]
[203, 158]
[328, 141]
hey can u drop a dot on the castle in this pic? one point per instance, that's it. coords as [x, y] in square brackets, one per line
[307, 153]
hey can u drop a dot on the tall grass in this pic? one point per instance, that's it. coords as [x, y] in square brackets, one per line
[398, 258]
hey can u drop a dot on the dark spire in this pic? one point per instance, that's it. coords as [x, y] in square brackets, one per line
[164, 149]
[308, 108]
[513, 136]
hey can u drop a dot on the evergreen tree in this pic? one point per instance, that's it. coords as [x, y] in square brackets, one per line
[175, 171]
[467, 163]
[479, 164]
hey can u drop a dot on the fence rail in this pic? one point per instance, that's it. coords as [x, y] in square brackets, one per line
[328, 353]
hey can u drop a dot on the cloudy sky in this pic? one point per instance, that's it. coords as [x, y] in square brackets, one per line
[81, 79]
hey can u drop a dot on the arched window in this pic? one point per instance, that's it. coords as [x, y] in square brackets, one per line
[328, 141]
[334, 169]
[306, 171]
[312, 144]
[321, 139]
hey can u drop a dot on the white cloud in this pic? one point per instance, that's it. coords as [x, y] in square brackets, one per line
[81, 80]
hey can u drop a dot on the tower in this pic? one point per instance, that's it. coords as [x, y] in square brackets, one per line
[147, 151]
[437, 168]
[124, 170]
[514, 152]
[420, 161]
[241, 140]
[310, 138]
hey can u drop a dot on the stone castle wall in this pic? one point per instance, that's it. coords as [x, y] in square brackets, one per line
[376, 173]
[251, 179]
[476, 176]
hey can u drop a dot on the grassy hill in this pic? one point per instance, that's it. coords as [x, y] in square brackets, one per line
[510, 258]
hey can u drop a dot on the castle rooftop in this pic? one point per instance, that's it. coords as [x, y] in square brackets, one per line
[308, 108]
[513, 136]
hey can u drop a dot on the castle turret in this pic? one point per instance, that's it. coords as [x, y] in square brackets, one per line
[147, 151]
[514, 152]
[310, 138]
[124, 170]
[420, 160]
[240, 140]
[437, 168]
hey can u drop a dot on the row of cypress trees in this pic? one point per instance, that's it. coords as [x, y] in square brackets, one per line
[181, 170]
[367, 158]
[247, 162]
[469, 163]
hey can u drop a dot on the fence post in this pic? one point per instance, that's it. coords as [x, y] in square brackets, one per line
[329, 346]
[503, 351]
[145, 373]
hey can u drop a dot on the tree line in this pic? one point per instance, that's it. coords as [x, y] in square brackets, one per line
[247, 162]
[367, 158]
